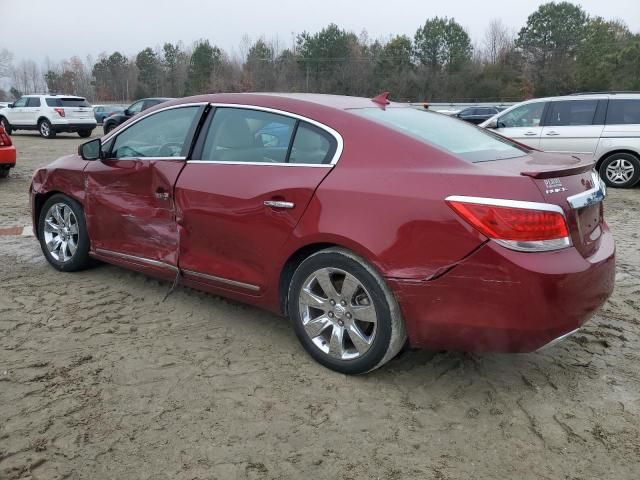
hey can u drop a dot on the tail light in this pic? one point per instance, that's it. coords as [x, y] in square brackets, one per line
[5, 140]
[60, 111]
[523, 226]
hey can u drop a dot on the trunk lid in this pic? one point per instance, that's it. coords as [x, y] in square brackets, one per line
[569, 182]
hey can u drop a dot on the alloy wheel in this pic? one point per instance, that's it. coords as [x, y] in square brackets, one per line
[61, 232]
[337, 313]
[44, 129]
[620, 171]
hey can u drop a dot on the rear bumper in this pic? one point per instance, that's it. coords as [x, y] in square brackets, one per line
[8, 156]
[70, 126]
[505, 301]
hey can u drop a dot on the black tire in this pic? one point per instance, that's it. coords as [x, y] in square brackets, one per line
[7, 126]
[45, 129]
[616, 163]
[389, 335]
[4, 171]
[80, 259]
[108, 127]
[85, 133]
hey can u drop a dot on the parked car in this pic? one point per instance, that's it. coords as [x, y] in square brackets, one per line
[7, 154]
[49, 115]
[136, 107]
[375, 224]
[103, 111]
[477, 115]
[604, 127]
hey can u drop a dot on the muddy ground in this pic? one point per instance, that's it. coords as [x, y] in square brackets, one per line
[101, 379]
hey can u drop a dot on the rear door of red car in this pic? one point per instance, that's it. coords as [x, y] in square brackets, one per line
[252, 176]
[129, 201]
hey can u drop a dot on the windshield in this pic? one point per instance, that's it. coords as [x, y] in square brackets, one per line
[454, 136]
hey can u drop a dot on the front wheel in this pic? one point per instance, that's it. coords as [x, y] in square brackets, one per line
[620, 170]
[343, 313]
[108, 127]
[4, 171]
[84, 133]
[62, 232]
[46, 130]
[7, 126]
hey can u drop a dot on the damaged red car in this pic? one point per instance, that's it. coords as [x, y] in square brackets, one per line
[371, 225]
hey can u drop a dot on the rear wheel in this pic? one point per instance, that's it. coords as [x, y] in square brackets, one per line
[7, 126]
[343, 313]
[62, 232]
[4, 171]
[620, 170]
[45, 129]
[85, 133]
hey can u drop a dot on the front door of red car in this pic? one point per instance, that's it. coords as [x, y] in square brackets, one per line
[129, 195]
[252, 176]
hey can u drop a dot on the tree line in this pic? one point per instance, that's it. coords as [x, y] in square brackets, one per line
[560, 49]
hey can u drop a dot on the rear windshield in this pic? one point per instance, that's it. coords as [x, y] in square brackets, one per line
[452, 135]
[67, 102]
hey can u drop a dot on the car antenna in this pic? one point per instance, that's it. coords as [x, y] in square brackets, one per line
[382, 99]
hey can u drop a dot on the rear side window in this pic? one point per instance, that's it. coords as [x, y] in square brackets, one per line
[160, 135]
[459, 138]
[312, 145]
[524, 116]
[33, 102]
[53, 102]
[623, 112]
[572, 112]
[74, 102]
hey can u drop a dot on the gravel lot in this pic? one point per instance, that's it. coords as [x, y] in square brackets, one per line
[99, 378]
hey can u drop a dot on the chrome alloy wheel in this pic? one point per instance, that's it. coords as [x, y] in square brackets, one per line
[620, 171]
[337, 313]
[45, 130]
[61, 232]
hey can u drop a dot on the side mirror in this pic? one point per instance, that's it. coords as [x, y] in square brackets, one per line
[91, 150]
[10, 105]
[493, 123]
[127, 112]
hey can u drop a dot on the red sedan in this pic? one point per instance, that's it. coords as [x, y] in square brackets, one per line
[7, 153]
[372, 225]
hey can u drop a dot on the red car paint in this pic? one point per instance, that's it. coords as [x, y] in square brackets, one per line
[7, 150]
[384, 200]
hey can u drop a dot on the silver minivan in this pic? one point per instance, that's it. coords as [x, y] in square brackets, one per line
[604, 126]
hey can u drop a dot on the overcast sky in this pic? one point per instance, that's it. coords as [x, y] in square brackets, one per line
[35, 29]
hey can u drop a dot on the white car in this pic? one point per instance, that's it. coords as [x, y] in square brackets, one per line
[49, 114]
[604, 126]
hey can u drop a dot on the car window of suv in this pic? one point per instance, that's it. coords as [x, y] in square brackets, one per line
[33, 102]
[528, 115]
[159, 135]
[623, 112]
[136, 107]
[312, 145]
[246, 135]
[53, 102]
[572, 112]
[21, 102]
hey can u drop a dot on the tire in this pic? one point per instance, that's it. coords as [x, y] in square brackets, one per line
[350, 332]
[4, 172]
[45, 129]
[108, 127]
[85, 133]
[67, 260]
[620, 170]
[7, 126]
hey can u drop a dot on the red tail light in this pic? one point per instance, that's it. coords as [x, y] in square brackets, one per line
[60, 111]
[524, 226]
[5, 140]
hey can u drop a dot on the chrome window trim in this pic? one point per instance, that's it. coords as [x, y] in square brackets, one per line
[125, 256]
[500, 202]
[223, 280]
[336, 135]
[594, 195]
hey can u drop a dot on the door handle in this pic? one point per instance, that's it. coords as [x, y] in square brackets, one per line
[160, 195]
[279, 204]
[552, 133]
[530, 134]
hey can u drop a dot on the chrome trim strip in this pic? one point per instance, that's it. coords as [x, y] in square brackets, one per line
[501, 202]
[558, 340]
[226, 281]
[279, 204]
[124, 256]
[265, 164]
[591, 196]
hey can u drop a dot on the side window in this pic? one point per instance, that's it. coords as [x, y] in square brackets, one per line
[572, 112]
[312, 145]
[21, 102]
[245, 135]
[528, 115]
[623, 112]
[136, 107]
[160, 135]
[33, 102]
[53, 102]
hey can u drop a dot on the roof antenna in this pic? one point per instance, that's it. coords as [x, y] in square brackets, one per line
[382, 99]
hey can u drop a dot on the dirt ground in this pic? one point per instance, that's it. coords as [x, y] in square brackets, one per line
[101, 379]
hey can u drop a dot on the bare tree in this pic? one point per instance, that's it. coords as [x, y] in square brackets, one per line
[5, 62]
[498, 41]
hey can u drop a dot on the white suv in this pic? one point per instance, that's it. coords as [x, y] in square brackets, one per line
[604, 126]
[49, 114]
